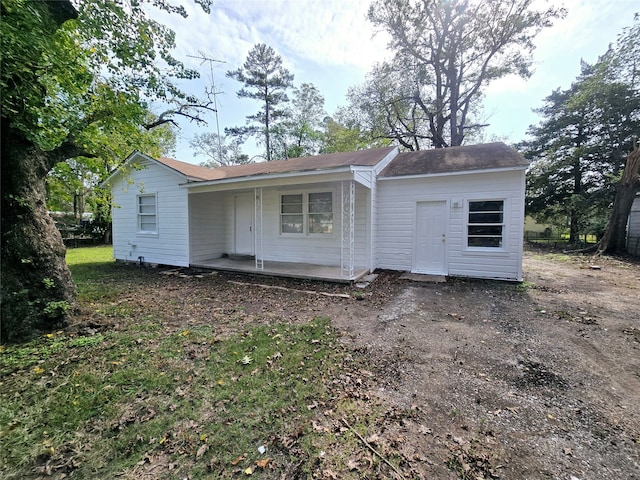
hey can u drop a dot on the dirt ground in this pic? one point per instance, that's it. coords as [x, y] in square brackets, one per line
[539, 380]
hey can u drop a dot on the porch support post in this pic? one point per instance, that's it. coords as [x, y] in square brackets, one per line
[257, 236]
[347, 252]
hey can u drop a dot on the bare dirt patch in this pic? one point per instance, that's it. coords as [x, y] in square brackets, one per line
[475, 379]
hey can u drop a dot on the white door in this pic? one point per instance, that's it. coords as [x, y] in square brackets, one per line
[243, 221]
[429, 255]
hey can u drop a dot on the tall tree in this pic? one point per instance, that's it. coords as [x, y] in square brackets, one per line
[579, 149]
[300, 133]
[267, 80]
[67, 76]
[621, 64]
[447, 52]
[219, 150]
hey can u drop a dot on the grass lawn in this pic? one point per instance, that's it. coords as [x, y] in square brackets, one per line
[140, 400]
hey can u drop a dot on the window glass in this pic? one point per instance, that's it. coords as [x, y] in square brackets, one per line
[485, 224]
[291, 214]
[320, 212]
[311, 213]
[147, 217]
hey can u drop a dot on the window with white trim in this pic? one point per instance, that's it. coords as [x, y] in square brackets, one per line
[485, 227]
[147, 214]
[309, 213]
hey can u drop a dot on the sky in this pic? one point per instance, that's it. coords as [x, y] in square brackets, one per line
[331, 44]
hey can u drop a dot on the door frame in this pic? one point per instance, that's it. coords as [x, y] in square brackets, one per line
[445, 225]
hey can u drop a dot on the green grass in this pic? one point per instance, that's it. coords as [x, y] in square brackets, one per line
[178, 402]
[96, 274]
[106, 402]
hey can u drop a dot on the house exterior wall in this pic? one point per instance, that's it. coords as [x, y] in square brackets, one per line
[397, 202]
[633, 229]
[170, 244]
[212, 227]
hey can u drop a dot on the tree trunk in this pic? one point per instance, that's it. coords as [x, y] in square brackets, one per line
[614, 239]
[37, 289]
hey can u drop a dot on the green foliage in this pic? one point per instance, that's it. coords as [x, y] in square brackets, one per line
[76, 87]
[301, 134]
[579, 148]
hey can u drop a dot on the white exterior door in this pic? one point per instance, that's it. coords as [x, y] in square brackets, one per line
[243, 222]
[429, 254]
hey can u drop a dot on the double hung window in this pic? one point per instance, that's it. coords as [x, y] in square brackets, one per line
[309, 213]
[147, 214]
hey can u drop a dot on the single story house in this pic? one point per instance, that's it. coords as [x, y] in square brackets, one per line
[456, 211]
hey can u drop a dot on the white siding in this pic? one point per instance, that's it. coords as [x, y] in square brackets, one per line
[170, 245]
[633, 235]
[396, 204]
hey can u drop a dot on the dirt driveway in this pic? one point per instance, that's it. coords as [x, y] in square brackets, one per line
[535, 381]
[476, 379]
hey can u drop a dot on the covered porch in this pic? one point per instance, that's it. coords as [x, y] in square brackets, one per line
[305, 271]
[316, 227]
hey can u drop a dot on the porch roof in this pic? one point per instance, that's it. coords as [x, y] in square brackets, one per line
[318, 163]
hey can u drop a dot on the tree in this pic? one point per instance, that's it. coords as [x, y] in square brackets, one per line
[622, 64]
[445, 54]
[265, 79]
[219, 150]
[300, 133]
[614, 238]
[67, 78]
[384, 107]
[579, 148]
[344, 132]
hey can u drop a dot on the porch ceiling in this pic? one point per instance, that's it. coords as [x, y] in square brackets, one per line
[282, 269]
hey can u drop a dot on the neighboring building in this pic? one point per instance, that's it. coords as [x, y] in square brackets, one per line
[633, 228]
[456, 211]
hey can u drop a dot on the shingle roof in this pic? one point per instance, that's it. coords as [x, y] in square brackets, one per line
[318, 162]
[454, 159]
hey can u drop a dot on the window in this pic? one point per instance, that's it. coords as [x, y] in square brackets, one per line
[291, 214]
[486, 224]
[310, 213]
[147, 214]
[320, 213]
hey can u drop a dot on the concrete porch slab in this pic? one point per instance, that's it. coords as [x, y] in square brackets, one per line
[282, 269]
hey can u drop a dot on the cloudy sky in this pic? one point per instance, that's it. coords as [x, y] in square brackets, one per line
[331, 44]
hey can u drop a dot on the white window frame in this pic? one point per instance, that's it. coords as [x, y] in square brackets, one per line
[306, 214]
[140, 215]
[503, 229]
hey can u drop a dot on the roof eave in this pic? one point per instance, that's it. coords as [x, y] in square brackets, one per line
[267, 176]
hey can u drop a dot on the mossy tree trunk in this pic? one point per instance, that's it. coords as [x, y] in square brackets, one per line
[37, 289]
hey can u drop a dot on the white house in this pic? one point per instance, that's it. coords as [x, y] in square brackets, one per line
[456, 211]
